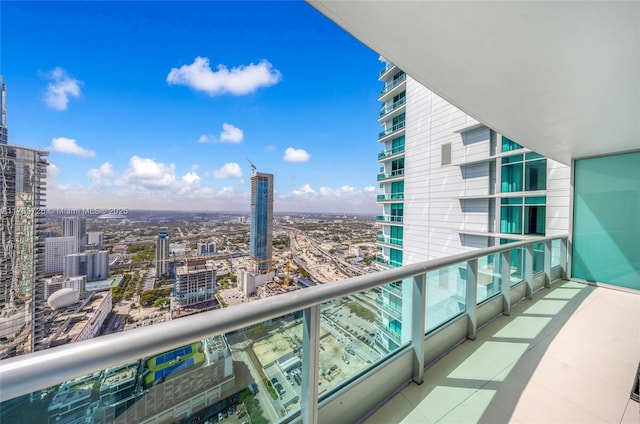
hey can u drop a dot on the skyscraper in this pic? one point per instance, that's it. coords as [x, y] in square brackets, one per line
[261, 226]
[162, 254]
[3, 113]
[23, 180]
[76, 226]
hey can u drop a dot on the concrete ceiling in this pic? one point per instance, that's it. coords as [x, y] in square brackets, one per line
[562, 78]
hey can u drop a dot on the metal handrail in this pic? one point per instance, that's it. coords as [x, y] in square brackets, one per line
[35, 371]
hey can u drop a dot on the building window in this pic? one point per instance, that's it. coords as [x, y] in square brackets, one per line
[395, 257]
[526, 172]
[509, 145]
[523, 215]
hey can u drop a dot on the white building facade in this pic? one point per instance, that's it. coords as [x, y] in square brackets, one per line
[56, 249]
[449, 185]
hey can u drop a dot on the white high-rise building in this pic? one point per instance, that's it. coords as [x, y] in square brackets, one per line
[449, 185]
[95, 240]
[56, 249]
[93, 264]
[76, 226]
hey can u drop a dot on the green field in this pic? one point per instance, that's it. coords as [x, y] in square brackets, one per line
[197, 356]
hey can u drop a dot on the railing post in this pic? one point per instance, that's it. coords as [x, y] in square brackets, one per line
[418, 314]
[564, 246]
[310, 364]
[505, 287]
[547, 264]
[471, 298]
[528, 270]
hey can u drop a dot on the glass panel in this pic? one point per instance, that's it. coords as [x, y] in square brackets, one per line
[535, 174]
[211, 379]
[556, 245]
[508, 145]
[538, 258]
[357, 331]
[606, 228]
[511, 200]
[517, 266]
[446, 289]
[535, 200]
[512, 159]
[511, 219]
[534, 220]
[489, 278]
[532, 156]
[511, 178]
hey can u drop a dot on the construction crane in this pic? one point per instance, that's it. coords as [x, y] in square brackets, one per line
[253, 167]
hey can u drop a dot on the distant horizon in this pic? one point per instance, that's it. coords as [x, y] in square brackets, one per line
[70, 211]
[163, 104]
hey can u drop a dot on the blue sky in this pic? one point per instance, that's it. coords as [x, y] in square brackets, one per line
[158, 104]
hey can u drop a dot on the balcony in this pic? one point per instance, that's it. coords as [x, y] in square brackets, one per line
[391, 130]
[396, 174]
[542, 362]
[388, 89]
[385, 110]
[389, 218]
[388, 154]
[389, 197]
[388, 262]
[386, 69]
[389, 240]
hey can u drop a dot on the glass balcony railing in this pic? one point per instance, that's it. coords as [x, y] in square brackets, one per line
[386, 68]
[386, 109]
[386, 153]
[393, 85]
[388, 332]
[273, 359]
[389, 240]
[388, 309]
[389, 218]
[396, 127]
[388, 262]
[396, 173]
[390, 196]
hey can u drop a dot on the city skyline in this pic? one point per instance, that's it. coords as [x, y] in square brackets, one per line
[158, 105]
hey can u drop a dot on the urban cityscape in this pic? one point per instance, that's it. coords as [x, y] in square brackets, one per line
[446, 184]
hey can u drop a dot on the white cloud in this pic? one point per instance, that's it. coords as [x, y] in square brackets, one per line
[102, 174]
[296, 155]
[229, 134]
[52, 174]
[60, 89]
[148, 174]
[228, 170]
[191, 178]
[243, 79]
[69, 146]
[370, 189]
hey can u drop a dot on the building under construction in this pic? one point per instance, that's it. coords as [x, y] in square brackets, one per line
[194, 287]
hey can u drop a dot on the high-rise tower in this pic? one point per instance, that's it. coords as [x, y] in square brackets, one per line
[23, 174]
[261, 227]
[76, 226]
[162, 254]
[23, 180]
[3, 113]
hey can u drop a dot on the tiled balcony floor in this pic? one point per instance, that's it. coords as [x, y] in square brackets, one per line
[567, 356]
